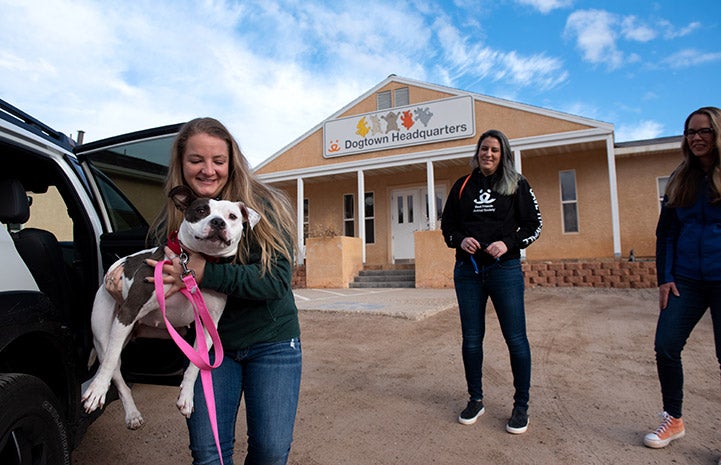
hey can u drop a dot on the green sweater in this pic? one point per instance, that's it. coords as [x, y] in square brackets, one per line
[260, 309]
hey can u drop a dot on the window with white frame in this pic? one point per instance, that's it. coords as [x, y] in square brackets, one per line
[348, 215]
[569, 201]
[661, 184]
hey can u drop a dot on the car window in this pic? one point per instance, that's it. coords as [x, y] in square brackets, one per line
[122, 214]
[135, 166]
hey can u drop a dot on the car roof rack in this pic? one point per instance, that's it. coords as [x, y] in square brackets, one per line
[19, 118]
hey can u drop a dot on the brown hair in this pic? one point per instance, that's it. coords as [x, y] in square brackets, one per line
[685, 179]
[275, 233]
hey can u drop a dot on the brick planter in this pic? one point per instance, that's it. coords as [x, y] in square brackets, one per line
[611, 273]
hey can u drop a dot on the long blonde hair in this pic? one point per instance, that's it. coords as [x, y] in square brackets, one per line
[685, 179]
[275, 233]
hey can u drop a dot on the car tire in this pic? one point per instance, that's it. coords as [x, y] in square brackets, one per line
[31, 427]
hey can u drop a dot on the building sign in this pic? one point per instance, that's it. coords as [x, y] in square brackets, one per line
[417, 124]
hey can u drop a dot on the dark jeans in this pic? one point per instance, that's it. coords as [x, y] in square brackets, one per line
[675, 324]
[503, 283]
[268, 375]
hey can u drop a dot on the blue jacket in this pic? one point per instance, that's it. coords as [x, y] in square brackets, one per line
[688, 240]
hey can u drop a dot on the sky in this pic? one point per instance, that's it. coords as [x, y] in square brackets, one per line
[271, 70]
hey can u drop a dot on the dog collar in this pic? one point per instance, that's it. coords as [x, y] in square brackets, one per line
[174, 245]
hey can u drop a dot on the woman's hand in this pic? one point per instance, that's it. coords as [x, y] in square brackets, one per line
[470, 245]
[663, 292]
[496, 249]
[172, 273]
[114, 283]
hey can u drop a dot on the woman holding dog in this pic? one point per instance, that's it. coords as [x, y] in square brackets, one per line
[259, 328]
[688, 262]
[490, 215]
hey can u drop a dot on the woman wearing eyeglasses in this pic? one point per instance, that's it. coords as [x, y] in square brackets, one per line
[688, 262]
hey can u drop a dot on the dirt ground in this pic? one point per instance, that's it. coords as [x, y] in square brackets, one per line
[386, 390]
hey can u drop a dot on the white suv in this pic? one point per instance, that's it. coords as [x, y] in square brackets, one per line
[64, 222]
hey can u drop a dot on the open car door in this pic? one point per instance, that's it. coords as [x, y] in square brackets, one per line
[126, 174]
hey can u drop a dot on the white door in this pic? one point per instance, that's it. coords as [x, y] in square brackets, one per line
[405, 220]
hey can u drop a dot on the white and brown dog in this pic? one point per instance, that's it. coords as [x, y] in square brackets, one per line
[210, 227]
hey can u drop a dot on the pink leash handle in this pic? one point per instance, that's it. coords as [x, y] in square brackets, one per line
[201, 357]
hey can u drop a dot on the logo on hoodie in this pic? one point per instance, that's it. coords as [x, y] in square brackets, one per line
[484, 203]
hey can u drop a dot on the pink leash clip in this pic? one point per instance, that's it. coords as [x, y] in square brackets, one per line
[201, 357]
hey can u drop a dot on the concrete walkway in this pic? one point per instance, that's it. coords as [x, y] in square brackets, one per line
[411, 304]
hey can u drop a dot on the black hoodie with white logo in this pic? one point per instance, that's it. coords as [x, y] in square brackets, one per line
[474, 209]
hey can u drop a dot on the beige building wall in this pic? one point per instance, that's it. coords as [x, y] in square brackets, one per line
[595, 236]
[639, 207]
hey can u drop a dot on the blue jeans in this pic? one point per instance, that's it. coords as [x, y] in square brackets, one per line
[503, 283]
[674, 326]
[269, 377]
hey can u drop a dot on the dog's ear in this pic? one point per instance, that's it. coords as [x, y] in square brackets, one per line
[182, 197]
[250, 215]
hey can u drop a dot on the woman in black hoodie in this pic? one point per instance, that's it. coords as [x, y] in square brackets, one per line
[489, 216]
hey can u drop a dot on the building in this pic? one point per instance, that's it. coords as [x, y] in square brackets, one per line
[366, 172]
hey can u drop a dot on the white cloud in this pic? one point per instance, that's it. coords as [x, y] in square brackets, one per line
[594, 31]
[640, 130]
[632, 29]
[671, 32]
[690, 57]
[545, 6]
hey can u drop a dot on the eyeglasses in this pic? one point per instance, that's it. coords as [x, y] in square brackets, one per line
[703, 132]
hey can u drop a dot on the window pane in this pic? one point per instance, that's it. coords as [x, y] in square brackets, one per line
[383, 100]
[570, 218]
[369, 205]
[370, 232]
[348, 207]
[410, 209]
[305, 218]
[568, 185]
[401, 97]
[348, 228]
[400, 210]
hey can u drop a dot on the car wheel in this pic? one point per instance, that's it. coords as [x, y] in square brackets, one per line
[31, 428]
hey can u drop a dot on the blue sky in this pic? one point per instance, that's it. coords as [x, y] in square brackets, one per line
[271, 70]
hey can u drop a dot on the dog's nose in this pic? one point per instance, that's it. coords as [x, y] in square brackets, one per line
[217, 223]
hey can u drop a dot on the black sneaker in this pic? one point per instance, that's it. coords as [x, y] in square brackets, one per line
[518, 424]
[470, 414]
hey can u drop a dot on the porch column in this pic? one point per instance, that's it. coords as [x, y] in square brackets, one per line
[299, 220]
[362, 212]
[611, 158]
[517, 160]
[431, 180]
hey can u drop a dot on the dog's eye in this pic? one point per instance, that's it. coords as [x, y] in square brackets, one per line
[232, 216]
[204, 210]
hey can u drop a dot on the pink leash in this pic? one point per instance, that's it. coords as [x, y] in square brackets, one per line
[203, 322]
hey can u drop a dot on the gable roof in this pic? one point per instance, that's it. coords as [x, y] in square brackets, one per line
[595, 127]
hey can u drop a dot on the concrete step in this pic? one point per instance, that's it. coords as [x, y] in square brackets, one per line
[382, 285]
[371, 278]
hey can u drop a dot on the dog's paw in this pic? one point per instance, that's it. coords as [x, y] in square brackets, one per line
[134, 420]
[93, 398]
[185, 402]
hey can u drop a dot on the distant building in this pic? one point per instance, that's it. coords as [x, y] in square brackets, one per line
[367, 170]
